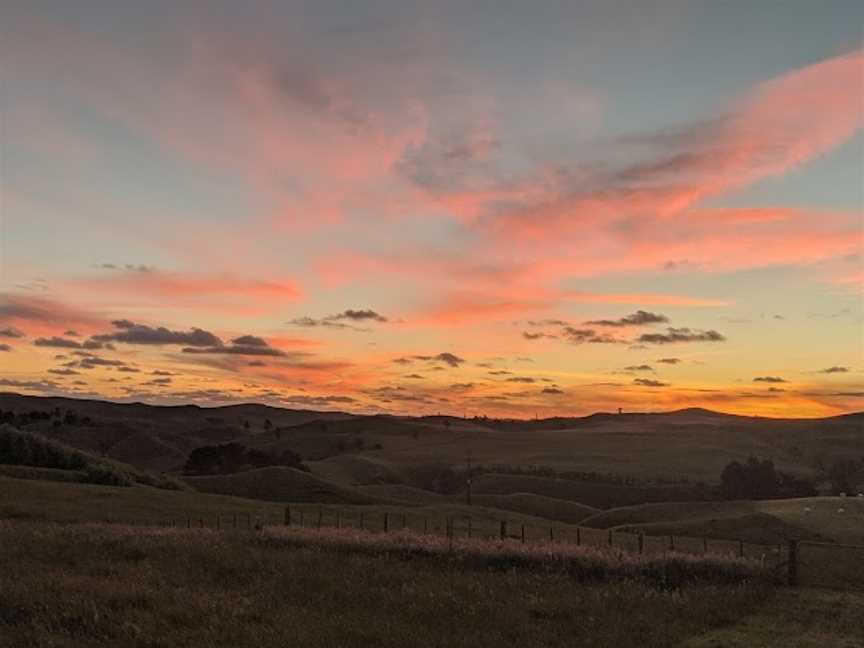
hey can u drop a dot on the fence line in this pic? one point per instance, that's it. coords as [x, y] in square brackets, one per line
[484, 528]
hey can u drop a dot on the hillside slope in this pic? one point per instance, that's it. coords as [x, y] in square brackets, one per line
[279, 484]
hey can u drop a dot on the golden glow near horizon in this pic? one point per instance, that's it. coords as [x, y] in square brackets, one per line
[392, 211]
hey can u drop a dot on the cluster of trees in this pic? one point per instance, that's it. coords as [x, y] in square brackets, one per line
[846, 475]
[57, 416]
[759, 479]
[234, 457]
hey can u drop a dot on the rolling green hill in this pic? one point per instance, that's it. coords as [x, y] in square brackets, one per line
[538, 505]
[279, 484]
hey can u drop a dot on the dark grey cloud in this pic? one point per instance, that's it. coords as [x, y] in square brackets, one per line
[642, 367]
[500, 372]
[317, 400]
[358, 315]
[37, 385]
[128, 267]
[590, 336]
[158, 382]
[547, 322]
[646, 382]
[249, 340]
[132, 333]
[311, 322]
[669, 361]
[521, 379]
[91, 362]
[769, 379]
[445, 357]
[57, 342]
[11, 332]
[128, 369]
[675, 335]
[833, 370]
[161, 372]
[414, 376]
[639, 318]
[64, 372]
[337, 321]
[249, 345]
[552, 390]
[528, 335]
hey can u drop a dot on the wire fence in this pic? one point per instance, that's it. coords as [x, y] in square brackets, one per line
[806, 563]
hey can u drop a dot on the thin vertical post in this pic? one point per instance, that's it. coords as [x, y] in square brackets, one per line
[641, 543]
[301, 517]
[551, 535]
[503, 529]
[610, 537]
[523, 534]
[320, 514]
[671, 543]
[287, 516]
[578, 536]
[425, 524]
[235, 520]
[338, 520]
[386, 522]
[361, 520]
[705, 545]
[793, 563]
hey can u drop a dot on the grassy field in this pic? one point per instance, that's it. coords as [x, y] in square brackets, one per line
[70, 586]
[22, 499]
[531, 504]
[279, 484]
[834, 519]
[98, 586]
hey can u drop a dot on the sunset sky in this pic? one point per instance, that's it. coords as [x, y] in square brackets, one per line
[509, 209]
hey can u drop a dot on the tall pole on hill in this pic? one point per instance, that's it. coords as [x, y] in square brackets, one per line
[468, 480]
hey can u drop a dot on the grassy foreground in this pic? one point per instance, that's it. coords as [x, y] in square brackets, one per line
[83, 585]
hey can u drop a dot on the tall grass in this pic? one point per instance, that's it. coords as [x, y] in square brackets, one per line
[98, 585]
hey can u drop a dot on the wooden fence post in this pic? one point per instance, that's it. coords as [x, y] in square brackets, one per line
[362, 515]
[386, 522]
[578, 536]
[551, 535]
[671, 543]
[503, 529]
[301, 517]
[705, 545]
[287, 516]
[641, 543]
[425, 524]
[188, 523]
[320, 515]
[793, 563]
[235, 520]
[523, 534]
[610, 537]
[338, 520]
